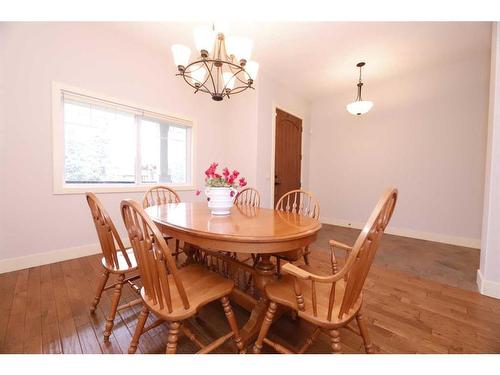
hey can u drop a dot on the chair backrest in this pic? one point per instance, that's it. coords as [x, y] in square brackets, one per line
[357, 265]
[361, 258]
[301, 202]
[153, 256]
[248, 197]
[160, 194]
[108, 236]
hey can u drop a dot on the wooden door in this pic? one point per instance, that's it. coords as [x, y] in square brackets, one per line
[288, 153]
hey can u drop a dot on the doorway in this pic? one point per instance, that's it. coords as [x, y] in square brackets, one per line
[287, 153]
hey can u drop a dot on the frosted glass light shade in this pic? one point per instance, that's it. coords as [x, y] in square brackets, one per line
[240, 47]
[229, 80]
[252, 68]
[204, 39]
[221, 27]
[198, 75]
[181, 54]
[359, 107]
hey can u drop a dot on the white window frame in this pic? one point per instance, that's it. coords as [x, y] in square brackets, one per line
[59, 185]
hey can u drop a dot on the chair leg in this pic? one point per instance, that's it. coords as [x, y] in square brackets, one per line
[177, 242]
[363, 329]
[266, 324]
[306, 255]
[173, 336]
[143, 316]
[278, 266]
[100, 288]
[232, 322]
[114, 306]
[335, 341]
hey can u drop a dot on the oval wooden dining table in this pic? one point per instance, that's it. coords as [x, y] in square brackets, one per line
[247, 230]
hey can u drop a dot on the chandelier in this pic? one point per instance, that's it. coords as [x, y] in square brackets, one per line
[222, 66]
[359, 106]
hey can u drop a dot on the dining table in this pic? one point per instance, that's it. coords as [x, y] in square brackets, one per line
[250, 232]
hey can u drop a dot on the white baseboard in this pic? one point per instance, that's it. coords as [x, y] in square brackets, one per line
[39, 259]
[436, 237]
[487, 287]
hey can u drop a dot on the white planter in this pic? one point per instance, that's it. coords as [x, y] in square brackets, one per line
[220, 200]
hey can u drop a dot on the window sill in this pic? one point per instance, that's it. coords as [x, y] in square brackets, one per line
[82, 189]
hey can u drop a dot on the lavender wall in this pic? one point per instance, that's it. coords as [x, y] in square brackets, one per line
[93, 57]
[426, 135]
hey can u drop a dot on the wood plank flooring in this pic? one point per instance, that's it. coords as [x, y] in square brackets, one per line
[447, 264]
[45, 310]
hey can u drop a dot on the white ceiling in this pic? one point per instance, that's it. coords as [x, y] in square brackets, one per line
[317, 58]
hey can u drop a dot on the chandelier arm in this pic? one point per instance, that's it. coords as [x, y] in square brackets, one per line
[239, 89]
[213, 61]
[200, 88]
[225, 86]
[199, 82]
[239, 79]
[240, 70]
[209, 73]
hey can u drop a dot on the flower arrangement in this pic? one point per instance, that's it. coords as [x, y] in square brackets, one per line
[227, 179]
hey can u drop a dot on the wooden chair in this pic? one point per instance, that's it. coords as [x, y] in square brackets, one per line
[330, 302]
[161, 194]
[172, 294]
[248, 197]
[116, 260]
[300, 202]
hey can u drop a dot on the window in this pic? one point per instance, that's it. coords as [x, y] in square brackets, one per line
[106, 145]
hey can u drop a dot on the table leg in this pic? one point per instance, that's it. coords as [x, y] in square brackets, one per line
[265, 274]
[189, 251]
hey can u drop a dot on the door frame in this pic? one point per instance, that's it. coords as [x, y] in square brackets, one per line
[273, 147]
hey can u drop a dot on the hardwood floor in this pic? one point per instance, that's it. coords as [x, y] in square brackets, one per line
[447, 264]
[46, 309]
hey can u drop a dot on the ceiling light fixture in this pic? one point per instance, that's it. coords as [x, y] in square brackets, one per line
[359, 106]
[223, 66]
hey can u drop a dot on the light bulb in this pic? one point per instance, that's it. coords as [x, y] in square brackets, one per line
[240, 47]
[181, 55]
[252, 68]
[229, 80]
[204, 39]
[198, 75]
[359, 107]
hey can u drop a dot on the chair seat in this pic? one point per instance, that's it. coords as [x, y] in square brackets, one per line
[202, 287]
[282, 292]
[122, 263]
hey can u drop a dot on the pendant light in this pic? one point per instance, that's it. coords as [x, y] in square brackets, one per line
[359, 106]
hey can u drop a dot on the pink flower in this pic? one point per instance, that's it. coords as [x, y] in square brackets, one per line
[236, 173]
[232, 193]
[225, 172]
[198, 192]
[216, 175]
[211, 170]
[242, 182]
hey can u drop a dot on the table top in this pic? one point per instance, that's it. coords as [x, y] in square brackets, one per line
[245, 224]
